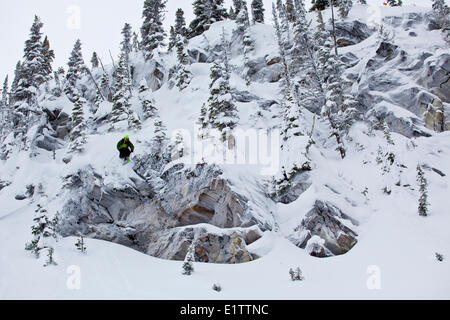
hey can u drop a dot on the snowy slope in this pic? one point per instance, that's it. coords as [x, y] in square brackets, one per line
[395, 245]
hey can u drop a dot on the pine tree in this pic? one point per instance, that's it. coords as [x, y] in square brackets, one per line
[152, 29]
[206, 13]
[394, 3]
[135, 44]
[222, 113]
[180, 23]
[78, 132]
[387, 133]
[237, 4]
[442, 14]
[284, 25]
[50, 260]
[243, 30]
[80, 245]
[121, 104]
[94, 60]
[43, 230]
[33, 70]
[5, 92]
[423, 185]
[159, 139]
[319, 5]
[148, 104]
[172, 39]
[258, 11]
[49, 56]
[75, 71]
[126, 45]
[183, 76]
[345, 7]
[188, 265]
[290, 10]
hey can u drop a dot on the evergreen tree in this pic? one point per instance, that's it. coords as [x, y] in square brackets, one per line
[188, 265]
[43, 230]
[423, 185]
[243, 29]
[122, 93]
[80, 245]
[159, 139]
[387, 133]
[319, 5]
[5, 92]
[33, 70]
[222, 113]
[284, 25]
[206, 13]
[50, 260]
[126, 45]
[78, 132]
[152, 29]
[258, 11]
[148, 104]
[183, 76]
[180, 23]
[49, 56]
[395, 3]
[135, 44]
[237, 4]
[231, 14]
[172, 38]
[290, 10]
[94, 60]
[442, 14]
[344, 8]
[75, 71]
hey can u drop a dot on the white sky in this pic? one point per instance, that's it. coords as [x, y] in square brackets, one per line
[101, 22]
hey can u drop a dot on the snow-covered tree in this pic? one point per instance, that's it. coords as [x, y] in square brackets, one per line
[319, 5]
[237, 4]
[423, 190]
[344, 8]
[135, 45]
[183, 76]
[206, 13]
[243, 30]
[290, 10]
[180, 23]
[442, 13]
[126, 45]
[5, 92]
[152, 30]
[78, 124]
[94, 60]
[159, 140]
[387, 134]
[33, 67]
[80, 244]
[395, 3]
[222, 113]
[148, 104]
[121, 104]
[284, 25]
[188, 265]
[49, 56]
[43, 231]
[75, 71]
[258, 11]
[172, 39]
[296, 275]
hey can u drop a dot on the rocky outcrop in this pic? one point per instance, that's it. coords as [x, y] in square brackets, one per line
[211, 244]
[159, 214]
[299, 184]
[325, 231]
[353, 32]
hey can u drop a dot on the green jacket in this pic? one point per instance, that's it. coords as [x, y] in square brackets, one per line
[124, 145]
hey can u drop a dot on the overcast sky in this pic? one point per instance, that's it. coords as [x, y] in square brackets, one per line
[98, 25]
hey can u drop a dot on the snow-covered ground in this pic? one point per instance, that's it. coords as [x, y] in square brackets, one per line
[393, 259]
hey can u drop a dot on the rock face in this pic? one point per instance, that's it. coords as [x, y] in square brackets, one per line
[300, 183]
[323, 231]
[349, 33]
[159, 214]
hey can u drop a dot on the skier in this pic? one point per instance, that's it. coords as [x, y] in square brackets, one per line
[126, 148]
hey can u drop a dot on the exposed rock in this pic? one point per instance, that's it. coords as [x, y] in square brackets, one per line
[265, 71]
[20, 197]
[217, 246]
[300, 183]
[197, 55]
[344, 42]
[323, 231]
[436, 76]
[387, 50]
[353, 31]
[4, 184]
